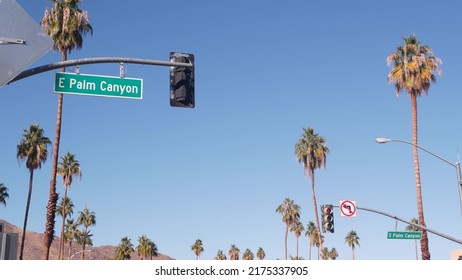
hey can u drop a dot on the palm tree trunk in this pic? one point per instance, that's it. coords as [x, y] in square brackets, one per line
[61, 241]
[424, 241]
[309, 251]
[285, 240]
[70, 249]
[353, 249]
[53, 196]
[316, 213]
[29, 195]
[297, 247]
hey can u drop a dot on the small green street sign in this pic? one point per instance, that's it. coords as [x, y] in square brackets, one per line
[98, 85]
[404, 235]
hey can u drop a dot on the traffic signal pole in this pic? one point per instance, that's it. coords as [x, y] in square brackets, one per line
[76, 62]
[409, 223]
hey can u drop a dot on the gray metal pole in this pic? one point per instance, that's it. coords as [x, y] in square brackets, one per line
[456, 165]
[61, 64]
[409, 223]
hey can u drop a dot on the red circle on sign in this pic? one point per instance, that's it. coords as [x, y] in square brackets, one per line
[349, 207]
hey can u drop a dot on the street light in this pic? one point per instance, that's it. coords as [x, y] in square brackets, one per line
[79, 252]
[382, 140]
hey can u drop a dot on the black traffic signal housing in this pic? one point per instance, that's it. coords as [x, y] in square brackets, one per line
[327, 215]
[182, 81]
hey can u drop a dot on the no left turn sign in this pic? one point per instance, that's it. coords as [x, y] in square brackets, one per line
[347, 208]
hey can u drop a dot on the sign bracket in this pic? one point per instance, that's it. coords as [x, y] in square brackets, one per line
[5, 41]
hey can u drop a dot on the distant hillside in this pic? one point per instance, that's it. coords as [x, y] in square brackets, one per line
[33, 249]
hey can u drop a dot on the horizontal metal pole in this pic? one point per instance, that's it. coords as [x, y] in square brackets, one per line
[61, 64]
[409, 223]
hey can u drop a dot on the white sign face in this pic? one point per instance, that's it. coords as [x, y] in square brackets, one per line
[347, 208]
[22, 41]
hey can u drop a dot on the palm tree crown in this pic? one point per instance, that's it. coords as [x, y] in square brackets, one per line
[33, 147]
[146, 248]
[66, 24]
[3, 194]
[413, 66]
[124, 249]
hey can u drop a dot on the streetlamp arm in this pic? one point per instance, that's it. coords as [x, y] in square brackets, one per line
[422, 148]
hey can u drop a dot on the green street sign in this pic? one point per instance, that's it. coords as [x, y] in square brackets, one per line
[404, 235]
[98, 85]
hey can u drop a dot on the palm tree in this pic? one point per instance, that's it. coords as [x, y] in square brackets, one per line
[197, 248]
[317, 244]
[414, 228]
[413, 66]
[290, 212]
[333, 254]
[234, 252]
[124, 249]
[261, 253]
[67, 25]
[33, 148]
[70, 233]
[352, 239]
[325, 253]
[68, 168]
[220, 256]
[311, 232]
[248, 255]
[297, 228]
[3, 194]
[65, 208]
[146, 248]
[87, 219]
[311, 151]
[83, 238]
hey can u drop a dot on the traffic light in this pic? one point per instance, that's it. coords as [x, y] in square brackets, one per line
[182, 81]
[327, 215]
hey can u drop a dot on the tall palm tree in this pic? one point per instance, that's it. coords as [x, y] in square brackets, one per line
[68, 168]
[325, 253]
[297, 228]
[3, 194]
[413, 67]
[146, 248]
[65, 208]
[247, 255]
[197, 248]
[333, 254]
[290, 212]
[220, 256]
[234, 252]
[87, 219]
[70, 234]
[311, 232]
[317, 244]
[311, 151]
[124, 249]
[83, 238]
[352, 239]
[261, 253]
[33, 148]
[66, 24]
[414, 228]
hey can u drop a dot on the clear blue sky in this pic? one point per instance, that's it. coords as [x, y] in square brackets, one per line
[264, 71]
